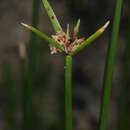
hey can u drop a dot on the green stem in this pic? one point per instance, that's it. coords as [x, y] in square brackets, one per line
[68, 92]
[33, 37]
[107, 83]
[31, 68]
[10, 103]
[24, 93]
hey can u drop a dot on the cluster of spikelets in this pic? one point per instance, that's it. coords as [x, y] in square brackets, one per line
[63, 41]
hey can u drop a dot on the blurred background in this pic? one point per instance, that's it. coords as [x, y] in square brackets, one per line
[32, 89]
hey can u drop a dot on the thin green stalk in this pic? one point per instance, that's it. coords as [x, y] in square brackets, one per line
[23, 93]
[33, 37]
[107, 83]
[10, 103]
[31, 68]
[68, 93]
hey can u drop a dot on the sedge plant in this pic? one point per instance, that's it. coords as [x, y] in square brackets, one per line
[70, 46]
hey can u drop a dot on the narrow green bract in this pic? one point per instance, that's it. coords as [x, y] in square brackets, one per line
[52, 16]
[90, 39]
[76, 29]
[44, 36]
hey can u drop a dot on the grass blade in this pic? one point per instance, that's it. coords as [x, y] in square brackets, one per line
[55, 23]
[44, 36]
[107, 83]
[68, 93]
[90, 39]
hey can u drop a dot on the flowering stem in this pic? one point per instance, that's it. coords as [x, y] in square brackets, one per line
[68, 92]
[110, 67]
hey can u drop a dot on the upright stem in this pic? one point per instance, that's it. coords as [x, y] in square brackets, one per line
[24, 93]
[110, 67]
[9, 107]
[31, 69]
[68, 92]
[33, 37]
